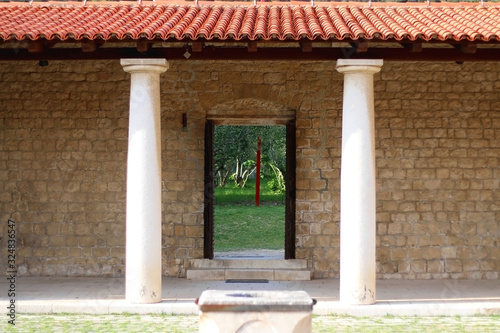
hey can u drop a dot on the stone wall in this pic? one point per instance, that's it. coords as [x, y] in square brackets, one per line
[63, 147]
[63, 143]
[438, 158]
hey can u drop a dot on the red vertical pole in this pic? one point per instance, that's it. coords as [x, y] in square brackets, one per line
[257, 175]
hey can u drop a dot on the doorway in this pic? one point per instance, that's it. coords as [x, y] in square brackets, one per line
[216, 175]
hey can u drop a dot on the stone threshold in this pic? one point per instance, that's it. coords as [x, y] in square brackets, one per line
[263, 269]
[251, 254]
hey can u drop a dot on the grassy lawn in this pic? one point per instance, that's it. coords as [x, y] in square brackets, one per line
[249, 227]
[240, 225]
[187, 324]
[230, 195]
[129, 323]
[438, 324]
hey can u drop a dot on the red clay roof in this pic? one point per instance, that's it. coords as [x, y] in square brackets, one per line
[231, 21]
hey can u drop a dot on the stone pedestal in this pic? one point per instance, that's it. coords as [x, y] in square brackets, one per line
[357, 189]
[143, 221]
[255, 311]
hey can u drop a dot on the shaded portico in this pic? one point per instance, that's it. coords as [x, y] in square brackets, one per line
[357, 65]
[358, 182]
[94, 295]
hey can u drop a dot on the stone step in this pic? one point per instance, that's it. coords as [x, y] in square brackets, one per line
[249, 263]
[219, 274]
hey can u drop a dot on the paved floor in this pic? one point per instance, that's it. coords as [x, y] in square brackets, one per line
[394, 297]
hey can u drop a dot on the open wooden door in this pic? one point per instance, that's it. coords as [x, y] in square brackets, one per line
[208, 211]
[290, 191]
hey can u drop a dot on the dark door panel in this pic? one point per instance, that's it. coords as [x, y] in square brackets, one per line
[208, 212]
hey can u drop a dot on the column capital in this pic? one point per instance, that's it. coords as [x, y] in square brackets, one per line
[144, 65]
[368, 66]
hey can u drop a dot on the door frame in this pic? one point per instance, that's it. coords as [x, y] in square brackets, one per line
[208, 211]
[290, 189]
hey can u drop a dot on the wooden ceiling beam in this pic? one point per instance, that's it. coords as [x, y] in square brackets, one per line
[39, 46]
[360, 46]
[413, 47]
[197, 46]
[144, 45]
[264, 53]
[36, 46]
[467, 48]
[306, 45]
[252, 46]
[90, 45]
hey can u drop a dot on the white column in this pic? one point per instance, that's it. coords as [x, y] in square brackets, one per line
[357, 183]
[143, 220]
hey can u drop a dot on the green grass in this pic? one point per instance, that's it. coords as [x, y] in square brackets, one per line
[102, 323]
[189, 324]
[240, 225]
[231, 195]
[249, 227]
[406, 324]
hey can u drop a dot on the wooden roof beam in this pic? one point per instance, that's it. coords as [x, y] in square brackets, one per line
[306, 45]
[39, 46]
[467, 48]
[91, 45]
[36, 46]
[252, 46]
[144, 45]
[239, 53]
[197, 46]
[360, 46]
[413, 47]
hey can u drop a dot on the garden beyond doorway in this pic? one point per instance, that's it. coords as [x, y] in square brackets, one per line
[247, 225]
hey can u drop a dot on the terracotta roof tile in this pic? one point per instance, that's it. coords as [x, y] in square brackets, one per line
[181, 21]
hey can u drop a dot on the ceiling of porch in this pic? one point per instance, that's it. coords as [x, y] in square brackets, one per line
[242, 30]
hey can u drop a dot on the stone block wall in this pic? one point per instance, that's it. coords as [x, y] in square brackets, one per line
[438, 159]
[63, 143]
[63, 148]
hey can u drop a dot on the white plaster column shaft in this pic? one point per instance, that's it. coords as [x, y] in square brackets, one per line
[357, 183]
[143, 219]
